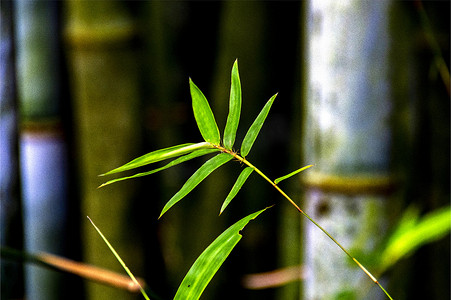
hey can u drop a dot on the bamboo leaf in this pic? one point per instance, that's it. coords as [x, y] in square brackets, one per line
[234, 108]
[204, 116]
[253, 131]
[177, 161]
[208, 263]
[205, 170]
[120, 260]
[429, 228]
[291, 174]
[236, 187]
[159, 155]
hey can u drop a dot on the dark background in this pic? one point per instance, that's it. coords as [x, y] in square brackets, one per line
[176, 40]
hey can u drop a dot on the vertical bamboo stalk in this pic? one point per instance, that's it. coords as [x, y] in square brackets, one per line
[10, 206]
[105, 87]
[165, 112]
[423, 125]
[43, 153]
[347, 135]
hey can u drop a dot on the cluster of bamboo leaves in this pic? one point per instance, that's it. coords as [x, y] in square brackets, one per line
[212, 258]
[212, 144]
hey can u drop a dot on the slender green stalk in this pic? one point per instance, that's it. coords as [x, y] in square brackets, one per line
[243, 160]
[120, 260]
[439, 61]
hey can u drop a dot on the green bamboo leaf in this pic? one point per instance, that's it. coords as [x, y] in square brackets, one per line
[160, 155]
[177, 161]
[253, 131]
[208, 263]
[412, 235]
[291, 174]
[234, 108]
[236, 187]
[119, 259]
[201, 173]
[407, 222]
[204, 116]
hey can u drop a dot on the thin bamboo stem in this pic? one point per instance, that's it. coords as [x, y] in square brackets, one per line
[130, 274]
[246, 162]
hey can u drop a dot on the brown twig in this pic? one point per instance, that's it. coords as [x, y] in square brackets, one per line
[83, 270]
[273, 278]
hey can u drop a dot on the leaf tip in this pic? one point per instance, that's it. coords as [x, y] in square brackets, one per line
[222, 210]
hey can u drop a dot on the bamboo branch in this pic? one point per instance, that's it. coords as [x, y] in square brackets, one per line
[243, 160]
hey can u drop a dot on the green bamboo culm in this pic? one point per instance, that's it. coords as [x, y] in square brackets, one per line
[42, 144]
[209, 131]
[103, 68]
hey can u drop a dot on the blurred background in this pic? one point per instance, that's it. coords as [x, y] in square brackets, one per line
[87, 86]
